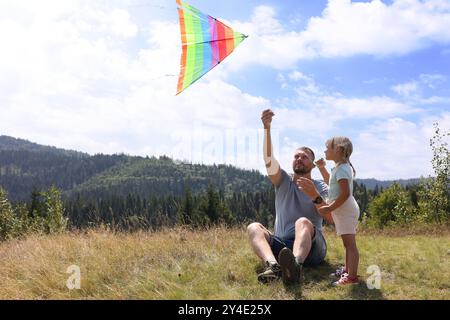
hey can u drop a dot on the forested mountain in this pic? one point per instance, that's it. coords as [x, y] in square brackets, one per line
[25, 166]
[372, 184]
[9, 144]
[21, 171]
[162, 176]
[129, 192]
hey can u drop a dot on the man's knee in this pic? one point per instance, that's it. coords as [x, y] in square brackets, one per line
[254, 229]
[304, 224]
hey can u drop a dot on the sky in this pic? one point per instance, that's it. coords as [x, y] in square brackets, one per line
[100, 77]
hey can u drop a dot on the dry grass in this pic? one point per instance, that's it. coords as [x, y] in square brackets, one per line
[211, 264]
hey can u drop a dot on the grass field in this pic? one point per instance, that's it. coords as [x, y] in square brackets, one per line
[214, 264]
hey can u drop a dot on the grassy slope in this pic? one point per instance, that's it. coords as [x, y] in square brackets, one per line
[213, 264]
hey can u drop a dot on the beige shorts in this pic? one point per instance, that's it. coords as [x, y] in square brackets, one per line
[346, 217]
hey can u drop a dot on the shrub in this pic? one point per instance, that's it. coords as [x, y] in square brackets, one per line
[435, 193]
[10, 226]
[46, 213]
[392, 206]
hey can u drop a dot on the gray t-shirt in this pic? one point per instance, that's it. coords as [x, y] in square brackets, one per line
[291, 204]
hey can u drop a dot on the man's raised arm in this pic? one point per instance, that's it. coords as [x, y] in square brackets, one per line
[272, 165]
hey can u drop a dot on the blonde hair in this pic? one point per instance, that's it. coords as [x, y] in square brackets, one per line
[347, 148]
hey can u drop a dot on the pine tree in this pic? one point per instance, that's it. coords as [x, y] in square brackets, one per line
[186, 212]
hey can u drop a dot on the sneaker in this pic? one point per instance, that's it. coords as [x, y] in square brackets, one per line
[346, 279]
[271, 273]
[338, 273]
[290, 269]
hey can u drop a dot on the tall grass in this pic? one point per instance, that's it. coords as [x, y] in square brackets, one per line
[217, 263]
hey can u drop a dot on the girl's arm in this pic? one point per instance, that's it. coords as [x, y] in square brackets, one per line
[326, 216]
[323, 171]
[344, 195]
[325, 175]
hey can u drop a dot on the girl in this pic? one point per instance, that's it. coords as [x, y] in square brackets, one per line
[341, 204]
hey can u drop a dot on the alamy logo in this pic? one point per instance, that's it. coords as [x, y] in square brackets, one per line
[74, 281]
[374, 281]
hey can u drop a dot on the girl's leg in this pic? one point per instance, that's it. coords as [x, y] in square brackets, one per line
[351, 254]
[346, 259]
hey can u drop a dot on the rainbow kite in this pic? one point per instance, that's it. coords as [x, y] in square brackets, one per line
[206, 42]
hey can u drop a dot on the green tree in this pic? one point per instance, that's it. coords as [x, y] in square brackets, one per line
[213, 204]
[393, 205]
[47, 212]
[186, 212]
[436, 192]
[9, 223]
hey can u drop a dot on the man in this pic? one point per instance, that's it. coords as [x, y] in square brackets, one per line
[298, 238]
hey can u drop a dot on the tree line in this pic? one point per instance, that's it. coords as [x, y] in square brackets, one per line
[47, 211]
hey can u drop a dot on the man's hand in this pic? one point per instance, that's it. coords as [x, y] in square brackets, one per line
[307, 186]
[272, 165]
[266, 118]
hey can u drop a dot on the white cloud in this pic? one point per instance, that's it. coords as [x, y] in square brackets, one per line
[397, 148]
[75, 82]
[268, 42]
[321, 115]
[432, 80]
[414, 91]
[296, 75]
[264, 22]
[387, 146]
[315, 101]
[115, 22]
[71, 76]
[406, 89]
[345, 29]
[389, 149]
[300, 81]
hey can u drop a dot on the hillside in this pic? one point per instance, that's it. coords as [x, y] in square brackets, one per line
[25, 165]
[371, 184]
[21, 171]
[214, 264]
[14, 144]
[163, 176]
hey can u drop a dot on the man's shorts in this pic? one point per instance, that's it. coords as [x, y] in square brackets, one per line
[318, 248]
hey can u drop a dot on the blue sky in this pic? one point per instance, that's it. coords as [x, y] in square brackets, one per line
[100, 76]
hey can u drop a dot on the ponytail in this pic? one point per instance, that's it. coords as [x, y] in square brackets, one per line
[354, 171]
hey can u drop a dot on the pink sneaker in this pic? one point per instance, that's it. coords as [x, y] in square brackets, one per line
[338, 273]
[346, 279]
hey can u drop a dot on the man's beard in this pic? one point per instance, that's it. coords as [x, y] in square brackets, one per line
[302, 170]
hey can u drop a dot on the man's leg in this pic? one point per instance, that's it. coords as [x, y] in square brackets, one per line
[304, 233]
[291, 261]
[259, 239]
